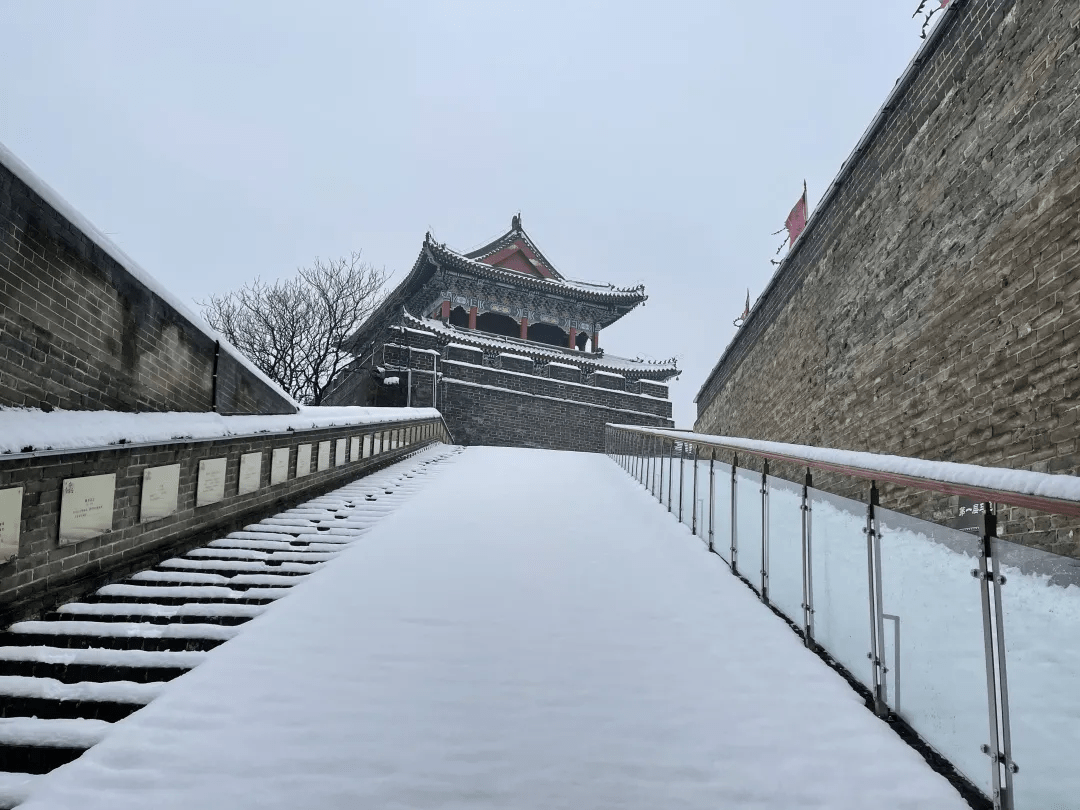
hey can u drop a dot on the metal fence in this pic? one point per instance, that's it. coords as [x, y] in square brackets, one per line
[972, 640]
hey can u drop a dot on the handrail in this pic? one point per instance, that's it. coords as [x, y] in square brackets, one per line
[1059, 494]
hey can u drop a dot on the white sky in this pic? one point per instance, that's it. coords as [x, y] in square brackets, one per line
[660, 143]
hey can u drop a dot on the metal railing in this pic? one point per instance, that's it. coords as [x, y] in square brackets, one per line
[839, 569]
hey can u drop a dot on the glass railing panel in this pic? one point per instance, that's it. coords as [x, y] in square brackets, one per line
[940, 686]
[701, 499]
[785, 548]
[1041, 605]
[748, 514]
[840, 581]
[722, 510]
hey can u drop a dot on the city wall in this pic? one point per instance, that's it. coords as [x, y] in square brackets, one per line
[79, 331]
[932, 306]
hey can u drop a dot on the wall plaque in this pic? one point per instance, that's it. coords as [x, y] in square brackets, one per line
[354, 448]
[324, 455]
[339, 453]
[160, 486]
[86, 507]
[211, 485]
[250, 473]
[279, 466]
[10, 519]
[367, 444]
[303, 460]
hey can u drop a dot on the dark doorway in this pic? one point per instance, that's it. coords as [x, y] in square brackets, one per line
[498, 324]
[459, 317]
[548, 333]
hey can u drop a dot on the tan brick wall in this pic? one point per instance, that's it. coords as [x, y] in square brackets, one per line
[934, 308]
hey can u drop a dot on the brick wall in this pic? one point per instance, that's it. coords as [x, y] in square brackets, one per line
[45, 572]
[489, 415]
[78, 331]
[932, 308]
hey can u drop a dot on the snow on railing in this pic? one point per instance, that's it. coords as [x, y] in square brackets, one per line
[1059, 494]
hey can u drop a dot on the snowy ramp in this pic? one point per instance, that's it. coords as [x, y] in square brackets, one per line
[530, 630]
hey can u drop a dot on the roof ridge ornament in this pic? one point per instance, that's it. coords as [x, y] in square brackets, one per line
[515, 222]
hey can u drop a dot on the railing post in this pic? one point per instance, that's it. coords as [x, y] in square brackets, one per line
[734, 517]
[877, 622]
[999, 749]
[765, 531]
[693, 503]
[712, 498]
[807, 564]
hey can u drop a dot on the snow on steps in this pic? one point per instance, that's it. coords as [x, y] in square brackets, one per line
[64, 679]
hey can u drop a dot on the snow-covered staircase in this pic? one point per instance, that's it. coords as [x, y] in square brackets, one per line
[66, 678]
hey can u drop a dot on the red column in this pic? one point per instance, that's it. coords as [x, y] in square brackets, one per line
[446, 310]
[472, 317]
[573, 337]
[596, 340]
[524, 328]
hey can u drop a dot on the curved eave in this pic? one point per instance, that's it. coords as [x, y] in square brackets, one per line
[422, 270]
[627, 297]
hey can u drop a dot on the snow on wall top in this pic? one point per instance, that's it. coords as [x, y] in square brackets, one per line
[72, 430]
[52, 198]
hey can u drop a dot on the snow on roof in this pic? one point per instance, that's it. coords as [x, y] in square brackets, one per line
[68, 211]
[71, 430]
[514, 356]
[565, 365]
[608, 374]
[463, 346]
[610, 361]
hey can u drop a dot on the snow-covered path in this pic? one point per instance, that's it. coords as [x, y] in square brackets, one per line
[530, 630]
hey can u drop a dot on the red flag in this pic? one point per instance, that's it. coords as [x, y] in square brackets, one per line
[796, 220]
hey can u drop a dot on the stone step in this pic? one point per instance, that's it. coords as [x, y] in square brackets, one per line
[177, 600]
[36, 759]
[77, 641]
[39, 745]
[51, 708]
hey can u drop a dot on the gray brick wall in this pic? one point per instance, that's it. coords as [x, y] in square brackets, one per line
[77, 331]
[44, 572]
[497, 416]
[933, 309]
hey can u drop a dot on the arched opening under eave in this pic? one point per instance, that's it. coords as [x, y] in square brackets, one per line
[498, 324]
[548, 333]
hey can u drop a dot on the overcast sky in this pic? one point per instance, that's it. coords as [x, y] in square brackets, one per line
[642, 142]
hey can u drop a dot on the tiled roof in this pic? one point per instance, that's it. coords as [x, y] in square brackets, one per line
[636, 368]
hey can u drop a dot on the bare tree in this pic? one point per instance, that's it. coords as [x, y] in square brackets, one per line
[293, 328]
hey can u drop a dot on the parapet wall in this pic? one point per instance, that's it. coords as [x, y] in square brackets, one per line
[79, 331]
[45, 572]
[932, 307]
[500, 400]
